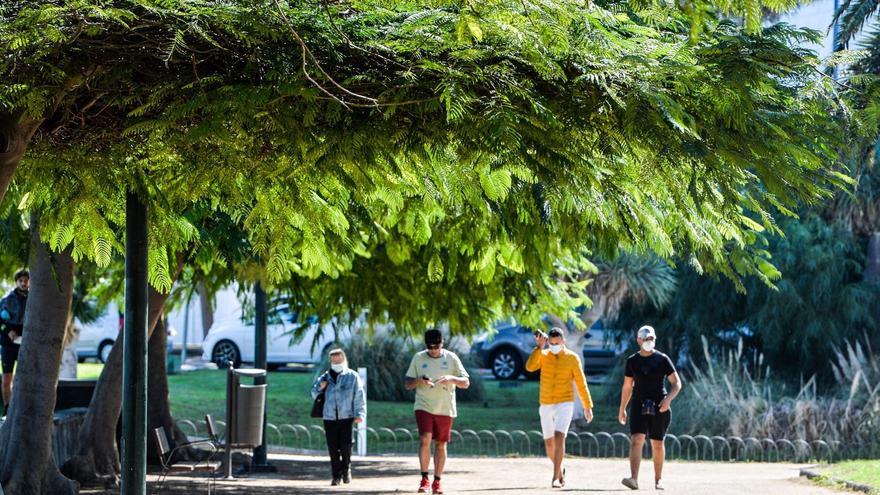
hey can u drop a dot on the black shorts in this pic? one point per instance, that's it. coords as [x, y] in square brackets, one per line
[10, 356]
[654, 426]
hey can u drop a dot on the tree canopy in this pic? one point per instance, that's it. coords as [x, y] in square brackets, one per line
[485, 146]
[819, 305]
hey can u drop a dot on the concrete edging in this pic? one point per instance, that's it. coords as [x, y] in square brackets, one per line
[810, 474]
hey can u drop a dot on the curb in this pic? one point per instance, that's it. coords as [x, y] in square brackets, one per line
[811, 475]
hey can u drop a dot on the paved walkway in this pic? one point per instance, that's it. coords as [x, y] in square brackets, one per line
[491, 476]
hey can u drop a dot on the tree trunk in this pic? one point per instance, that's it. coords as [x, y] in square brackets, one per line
[872, 261]
[15, 135]
[207, 308]
[158, 405]
[98, 457]
[26, 463]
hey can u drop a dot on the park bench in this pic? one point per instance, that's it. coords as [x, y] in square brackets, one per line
[166, 455]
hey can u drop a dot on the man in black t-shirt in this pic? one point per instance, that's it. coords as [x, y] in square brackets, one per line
[649, 415]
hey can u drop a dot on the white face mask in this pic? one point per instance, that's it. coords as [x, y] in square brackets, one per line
[648, 345]
[339, 368]
[556, 349]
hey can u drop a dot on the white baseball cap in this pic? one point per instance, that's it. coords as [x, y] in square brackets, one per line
[647, 331]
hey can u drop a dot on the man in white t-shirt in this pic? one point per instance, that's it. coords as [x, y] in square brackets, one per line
[434, 373]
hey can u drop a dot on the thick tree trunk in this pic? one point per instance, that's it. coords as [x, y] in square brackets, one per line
[26, 463]
[15, 134]
[207, 309]
[98, 457]
[158, 405]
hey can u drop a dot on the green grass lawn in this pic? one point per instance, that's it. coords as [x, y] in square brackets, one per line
[511, 407]
[861, 472]
[196, 393]
[89, 371]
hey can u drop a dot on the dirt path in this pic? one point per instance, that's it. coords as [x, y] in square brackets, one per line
[491, 476]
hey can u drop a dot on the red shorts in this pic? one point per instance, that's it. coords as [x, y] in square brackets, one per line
[439, 427]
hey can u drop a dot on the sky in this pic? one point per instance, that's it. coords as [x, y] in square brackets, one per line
[816, 15]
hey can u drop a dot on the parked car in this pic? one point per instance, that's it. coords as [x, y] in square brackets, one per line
[506, 352]
[233, 340]
[601, 354]
[96, 338]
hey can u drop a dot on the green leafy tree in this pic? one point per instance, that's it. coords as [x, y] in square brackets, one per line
[556, 109]
[817, 306]
[859, 207]
[493, 138]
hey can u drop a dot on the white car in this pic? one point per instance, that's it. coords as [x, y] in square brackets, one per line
[233, 340]
[96, 339]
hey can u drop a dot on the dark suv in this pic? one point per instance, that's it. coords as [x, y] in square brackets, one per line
[506, 352]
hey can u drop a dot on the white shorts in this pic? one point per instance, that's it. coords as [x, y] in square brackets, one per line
[555, 417]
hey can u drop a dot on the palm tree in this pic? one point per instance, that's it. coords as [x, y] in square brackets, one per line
[852, 16]
[630, 277]
[859, 209]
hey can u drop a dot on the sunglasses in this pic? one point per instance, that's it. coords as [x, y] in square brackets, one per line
[433, 346]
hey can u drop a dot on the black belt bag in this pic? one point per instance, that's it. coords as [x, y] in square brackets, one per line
[318, 405]
[649, 407]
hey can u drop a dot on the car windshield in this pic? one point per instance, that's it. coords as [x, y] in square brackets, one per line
[279, 315]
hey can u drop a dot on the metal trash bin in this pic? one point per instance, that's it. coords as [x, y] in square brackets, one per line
[245, 410]
[250, 404]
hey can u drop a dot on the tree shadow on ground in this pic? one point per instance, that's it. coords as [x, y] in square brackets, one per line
[290, 478]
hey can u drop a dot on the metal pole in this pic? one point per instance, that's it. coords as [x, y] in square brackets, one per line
[134, 350]
[185, 329]
[362, 428]
[231, 389]
[260, 463]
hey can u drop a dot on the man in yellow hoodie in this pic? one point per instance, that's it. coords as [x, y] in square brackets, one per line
[560, 370]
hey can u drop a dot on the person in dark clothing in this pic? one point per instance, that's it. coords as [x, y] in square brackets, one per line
[12, 308]
[344, 405]
[644, 391]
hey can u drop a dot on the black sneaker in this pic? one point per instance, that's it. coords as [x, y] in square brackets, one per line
[336, 481]
[346, 476]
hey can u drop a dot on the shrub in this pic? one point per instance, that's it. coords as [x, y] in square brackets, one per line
[730, 397]
[736, 394]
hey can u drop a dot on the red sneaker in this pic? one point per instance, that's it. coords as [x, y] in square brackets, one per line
[424, 486]
[435, 487]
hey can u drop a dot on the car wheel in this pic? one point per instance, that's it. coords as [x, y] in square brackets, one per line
[224, 352]
[104, 351]
[506, 364]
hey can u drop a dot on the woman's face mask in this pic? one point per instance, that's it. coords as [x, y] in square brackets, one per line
[339, 368]
[555, 348]
[648, 345]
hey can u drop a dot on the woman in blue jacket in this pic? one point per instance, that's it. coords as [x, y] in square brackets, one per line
[344, 404]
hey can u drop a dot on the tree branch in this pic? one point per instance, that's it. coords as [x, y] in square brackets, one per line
[307, 54]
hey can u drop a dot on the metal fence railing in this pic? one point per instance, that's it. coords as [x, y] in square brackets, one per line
[499, 443]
